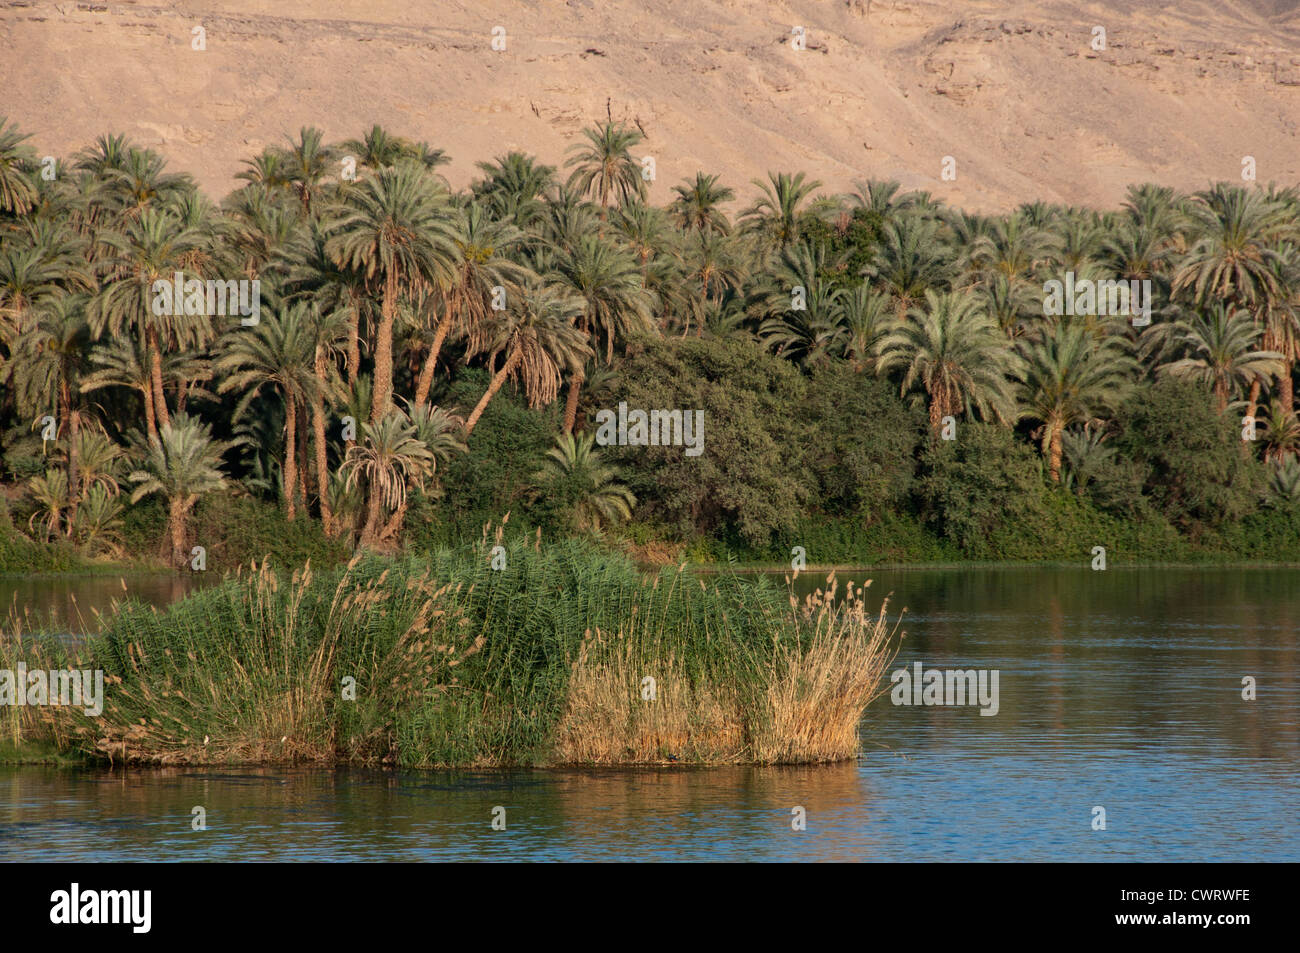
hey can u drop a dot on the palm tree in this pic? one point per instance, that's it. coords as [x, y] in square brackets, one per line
[388, 457]
[17, 192]
[1068, 376]
[396, 231]
[957, 354]
[480, 264]
[26, 275]
[1219, 348]
[513, 186]
[776, 216]
[604, 166]
[269, 170]
[306, 163]
[153, 246]
[716, 265]
[1282, 433]
[803, 335]
[48, 364]
[696, 205]
[910, 261]
[539, 343]
[884, 200]
[182, 464]
[140, 183]
[607, 281]
[281, 352]
[598, 499]
[866, 321]
[1234, 256]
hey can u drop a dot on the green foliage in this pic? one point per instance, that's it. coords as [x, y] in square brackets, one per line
[861, 442]
[494, 478]
[749, 476]
[971, 487]
[1198, 473]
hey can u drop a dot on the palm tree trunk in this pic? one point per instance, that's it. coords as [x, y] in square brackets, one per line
[155, 372]
[383, 394]
[354, 341]
[571, 401]
[318, 432]
[394, 524]
[150, 423]
[498, 379]
[370, 531]
[1054, 458]
[290, 453]
[1253, 400]
[431, 362]
[1286, 388]
[304, 458]
[74, 465]
[74, 449]
[176, 530]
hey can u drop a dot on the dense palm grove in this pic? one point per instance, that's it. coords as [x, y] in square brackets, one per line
[427, 360]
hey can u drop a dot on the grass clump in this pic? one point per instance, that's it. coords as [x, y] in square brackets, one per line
[449, 662]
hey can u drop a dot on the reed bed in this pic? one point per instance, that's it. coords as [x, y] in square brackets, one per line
[447, 662]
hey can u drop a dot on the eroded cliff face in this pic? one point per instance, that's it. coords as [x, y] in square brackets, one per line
[1015, 92]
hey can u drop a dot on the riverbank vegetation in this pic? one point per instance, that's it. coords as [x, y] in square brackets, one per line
[426, 360]
[562, 655]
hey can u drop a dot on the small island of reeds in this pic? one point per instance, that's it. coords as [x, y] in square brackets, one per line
[562, 654]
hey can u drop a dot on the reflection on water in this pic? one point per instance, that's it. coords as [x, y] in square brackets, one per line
[73, 603]
[1119, 689]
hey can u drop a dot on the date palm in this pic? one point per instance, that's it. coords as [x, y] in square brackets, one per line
[389, 457]
[776, 216]
[538, 344]
[141, 183]
[153, 246]
[603, 166]
[910, 261]
[481, 263]
[1070, 375]
[953, 350]
[1218, 345]
[1234, 254]
[27, 274]
[395, 230]
[573, 469]
[715, 264]
[307, 162]
[48, 365]
[513, 187]
[280, 352]
[17, 161]
[867, 319]
[182, 464]
[806, 333]
[697, 204]
[606, 279]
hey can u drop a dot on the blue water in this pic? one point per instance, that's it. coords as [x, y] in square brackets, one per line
[1119, 690]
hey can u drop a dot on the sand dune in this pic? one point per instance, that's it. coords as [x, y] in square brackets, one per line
[1012, 91]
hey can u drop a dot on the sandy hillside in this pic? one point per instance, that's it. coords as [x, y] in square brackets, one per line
[1012, 90]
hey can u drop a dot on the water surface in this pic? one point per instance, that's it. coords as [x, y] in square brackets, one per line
[1118, 689]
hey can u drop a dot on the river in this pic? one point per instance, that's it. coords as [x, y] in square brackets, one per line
[1120, 690]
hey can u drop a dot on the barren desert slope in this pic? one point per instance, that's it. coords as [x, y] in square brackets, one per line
[1012, 91]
